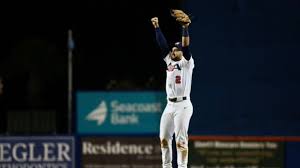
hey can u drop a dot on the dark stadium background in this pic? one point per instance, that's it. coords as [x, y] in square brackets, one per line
[245, 83]
[246, 53]
[114, 43]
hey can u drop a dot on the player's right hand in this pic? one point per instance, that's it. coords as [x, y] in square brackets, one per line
[154, 21]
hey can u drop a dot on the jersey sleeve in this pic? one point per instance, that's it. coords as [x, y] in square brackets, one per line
[186, 52]
[161, 41]
[190, 63]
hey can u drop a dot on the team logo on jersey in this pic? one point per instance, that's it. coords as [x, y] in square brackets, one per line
[172, 67]
[99, 114]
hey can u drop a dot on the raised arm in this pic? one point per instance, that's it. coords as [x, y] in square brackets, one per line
[184, 20]
[160, 38]
[186, 41]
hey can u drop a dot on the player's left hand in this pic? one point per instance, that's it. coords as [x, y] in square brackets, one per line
[181, 17]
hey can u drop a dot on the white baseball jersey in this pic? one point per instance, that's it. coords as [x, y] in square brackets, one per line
[179, 77]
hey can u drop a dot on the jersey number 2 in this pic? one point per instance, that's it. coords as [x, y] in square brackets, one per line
[178, 79]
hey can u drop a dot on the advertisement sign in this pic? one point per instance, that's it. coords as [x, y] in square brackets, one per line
[119, 112]
[236, 154]
[37, 152]
[120, 152]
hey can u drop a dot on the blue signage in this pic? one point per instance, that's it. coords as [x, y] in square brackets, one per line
[42, 152]
[119, 112]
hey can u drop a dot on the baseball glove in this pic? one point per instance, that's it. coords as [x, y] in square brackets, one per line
[180, 16]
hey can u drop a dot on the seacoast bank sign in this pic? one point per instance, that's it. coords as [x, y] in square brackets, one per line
[119, 112]
[33, 152]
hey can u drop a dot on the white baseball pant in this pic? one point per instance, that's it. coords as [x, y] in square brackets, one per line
[175, 119]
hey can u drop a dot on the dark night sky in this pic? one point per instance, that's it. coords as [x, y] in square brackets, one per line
[248, 50]
[114, 39]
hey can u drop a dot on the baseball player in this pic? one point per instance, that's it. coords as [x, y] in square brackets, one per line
[179, 109]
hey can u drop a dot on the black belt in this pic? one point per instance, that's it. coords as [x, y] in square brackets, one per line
[175, 99]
